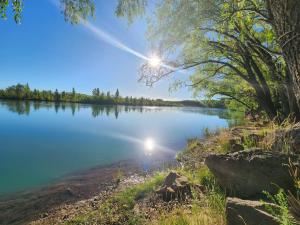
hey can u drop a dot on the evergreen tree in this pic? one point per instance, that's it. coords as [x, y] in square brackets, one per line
[117, 94]
[56, 96]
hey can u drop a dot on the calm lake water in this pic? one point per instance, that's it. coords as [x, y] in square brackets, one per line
[41, 142]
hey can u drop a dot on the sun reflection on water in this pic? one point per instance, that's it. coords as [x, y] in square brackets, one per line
[149, 145]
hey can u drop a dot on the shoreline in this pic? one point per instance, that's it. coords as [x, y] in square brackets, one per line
[67, 212]
[29, 205]
[133, 196]
[176, 103]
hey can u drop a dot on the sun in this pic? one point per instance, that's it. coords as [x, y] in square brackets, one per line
[154, 61]
[149, 144]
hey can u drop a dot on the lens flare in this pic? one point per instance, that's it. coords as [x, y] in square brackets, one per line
[106, 37]
[149, 144]
[154, 61]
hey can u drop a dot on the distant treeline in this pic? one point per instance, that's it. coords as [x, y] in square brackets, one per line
[23, 92]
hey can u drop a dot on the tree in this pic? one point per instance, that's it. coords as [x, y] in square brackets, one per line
[96, 92]
[27, 91]
[73, 94]
[284, 15]
[117, 95]
[23, 92]
[230, 45]
[56, 96]
[74, 10]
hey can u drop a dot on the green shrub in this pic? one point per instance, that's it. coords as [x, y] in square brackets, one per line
[282, 213]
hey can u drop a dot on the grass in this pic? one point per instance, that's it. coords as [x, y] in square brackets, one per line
[198, 215]
[214, 142]
[118, 209]
[223, 141]
[208, 209]
[278, 136]
[201, 175]
[250, 142]
[282, 213]
[203, 209]
[128, 197]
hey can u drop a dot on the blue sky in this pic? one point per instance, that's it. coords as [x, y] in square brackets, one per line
[49, 53]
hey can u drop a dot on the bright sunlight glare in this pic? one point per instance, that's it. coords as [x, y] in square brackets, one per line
[154, 61]
[149, 144]
[102, 35]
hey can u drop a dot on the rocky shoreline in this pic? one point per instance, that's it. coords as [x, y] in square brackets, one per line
[67, 211]
[23, 207]
[226, 178]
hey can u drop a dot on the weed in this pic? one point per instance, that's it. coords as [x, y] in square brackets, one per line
[282, 213]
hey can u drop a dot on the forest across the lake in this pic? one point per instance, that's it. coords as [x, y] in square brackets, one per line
[23, 92]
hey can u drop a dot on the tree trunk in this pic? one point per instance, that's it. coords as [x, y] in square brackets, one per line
[292, 101]
[285, 18]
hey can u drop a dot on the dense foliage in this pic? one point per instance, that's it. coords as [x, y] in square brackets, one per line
[245, 50]
[23, 92]
[73, 10]
[232, 47]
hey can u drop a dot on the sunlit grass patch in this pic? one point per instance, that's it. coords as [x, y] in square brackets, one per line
[118, 209]
[207, 209]
[128, 197]
[281, 212]
[200, 175]
[197, 216]
[223, 141]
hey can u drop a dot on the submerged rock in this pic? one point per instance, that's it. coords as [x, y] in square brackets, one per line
[239, 212]
[175, 186]
[248, 173]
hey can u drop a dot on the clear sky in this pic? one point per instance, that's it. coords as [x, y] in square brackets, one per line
[49, 53]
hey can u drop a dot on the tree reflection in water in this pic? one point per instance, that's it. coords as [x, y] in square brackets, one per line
[25, 107]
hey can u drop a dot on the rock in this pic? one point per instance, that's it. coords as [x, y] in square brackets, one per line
[236, 148]
[44, 215]
[239, 212]
[65, 217]
[285, 140]
[175, 186]
[234, 145]
[250, 172]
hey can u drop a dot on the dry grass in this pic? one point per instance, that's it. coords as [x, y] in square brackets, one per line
[207, 209]
[278, 137]
[197, 216]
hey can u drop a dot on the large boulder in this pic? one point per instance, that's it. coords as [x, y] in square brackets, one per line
[248, 173]
[175, 186]
[239, 212]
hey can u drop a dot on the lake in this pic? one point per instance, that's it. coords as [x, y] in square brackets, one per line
[42, 142]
